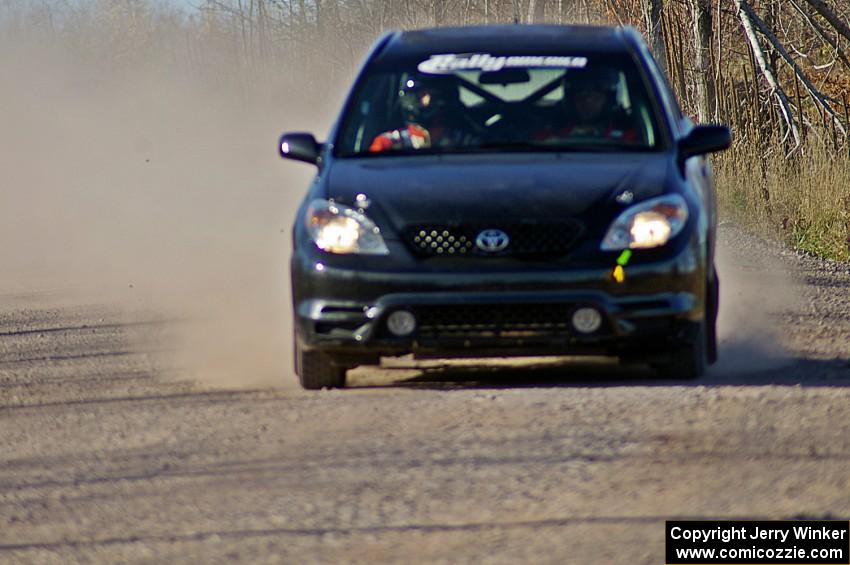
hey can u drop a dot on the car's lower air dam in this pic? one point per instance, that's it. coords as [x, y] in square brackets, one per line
[586, 320]
[401, 323]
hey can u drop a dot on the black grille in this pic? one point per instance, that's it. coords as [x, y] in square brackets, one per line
[495, 320]
[440, 240]
[529, 239]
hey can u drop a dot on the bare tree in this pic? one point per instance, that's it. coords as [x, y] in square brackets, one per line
[706, 96]
[536, 11]
[809, 18]
[826, 13]
[652, 14]
[744, 13]
[780, 49]
[439, 9]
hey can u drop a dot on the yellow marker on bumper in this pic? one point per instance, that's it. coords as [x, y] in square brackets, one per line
[619, 274]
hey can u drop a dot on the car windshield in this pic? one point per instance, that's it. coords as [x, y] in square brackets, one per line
[474, 103]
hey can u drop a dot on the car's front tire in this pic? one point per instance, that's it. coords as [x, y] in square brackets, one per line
[317, 370]
[687, 359]
[711, 318]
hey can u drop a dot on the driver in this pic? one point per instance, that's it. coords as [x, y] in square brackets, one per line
[591, 110]
[430, 113]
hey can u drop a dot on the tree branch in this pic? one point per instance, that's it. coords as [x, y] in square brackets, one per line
[822, 33]
[826, 13]
[744, 12]
[815, 93]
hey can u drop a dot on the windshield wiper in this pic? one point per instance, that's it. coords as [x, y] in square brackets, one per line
[512, 145]
[610, 147]
[507, 146]
[601, 147]
[461, 149]
[398, 152]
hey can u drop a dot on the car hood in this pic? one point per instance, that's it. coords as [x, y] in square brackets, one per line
[454, 189]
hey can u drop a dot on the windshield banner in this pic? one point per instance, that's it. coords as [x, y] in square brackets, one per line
[449, 63]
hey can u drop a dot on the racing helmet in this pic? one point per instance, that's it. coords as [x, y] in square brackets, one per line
[423, 98]
[598, 79]
[591, 94]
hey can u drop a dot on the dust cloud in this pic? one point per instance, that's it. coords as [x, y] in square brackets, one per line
[148, 187]
[142, 186]
[753, 292]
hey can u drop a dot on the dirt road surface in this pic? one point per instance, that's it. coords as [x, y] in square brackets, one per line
[109, 455]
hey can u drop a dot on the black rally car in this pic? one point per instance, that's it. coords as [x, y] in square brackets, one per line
[507, 190]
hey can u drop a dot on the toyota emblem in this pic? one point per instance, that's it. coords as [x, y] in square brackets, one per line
[492, 241]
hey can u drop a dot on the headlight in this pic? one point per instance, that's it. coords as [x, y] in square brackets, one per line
[649, 224]
[339, 229]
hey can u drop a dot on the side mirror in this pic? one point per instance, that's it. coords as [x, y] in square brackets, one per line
[705, 139]
[299, 147]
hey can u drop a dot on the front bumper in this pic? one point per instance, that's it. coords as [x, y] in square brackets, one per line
[519, 312]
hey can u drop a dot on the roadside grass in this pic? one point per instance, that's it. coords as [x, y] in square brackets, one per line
[803, 201]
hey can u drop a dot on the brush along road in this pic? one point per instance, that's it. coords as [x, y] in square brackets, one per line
[109, 457]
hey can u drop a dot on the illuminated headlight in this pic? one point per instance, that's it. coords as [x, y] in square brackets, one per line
[340, 229]
[649, 224]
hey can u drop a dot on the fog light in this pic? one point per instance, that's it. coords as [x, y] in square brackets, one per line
[587, 320]
[401, 323]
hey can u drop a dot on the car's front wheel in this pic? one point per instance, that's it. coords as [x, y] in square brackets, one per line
[711, 319]
[687, 359]
[316, 370]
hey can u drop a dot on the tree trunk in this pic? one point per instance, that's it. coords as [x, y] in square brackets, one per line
[703, 33]
[653, 11]
[438, 11]
[536, 11]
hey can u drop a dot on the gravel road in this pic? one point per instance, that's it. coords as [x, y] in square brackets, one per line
[109, 455]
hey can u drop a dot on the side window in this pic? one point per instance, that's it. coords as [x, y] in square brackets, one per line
[367, 117]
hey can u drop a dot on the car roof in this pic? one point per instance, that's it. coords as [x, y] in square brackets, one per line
[513, 39]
